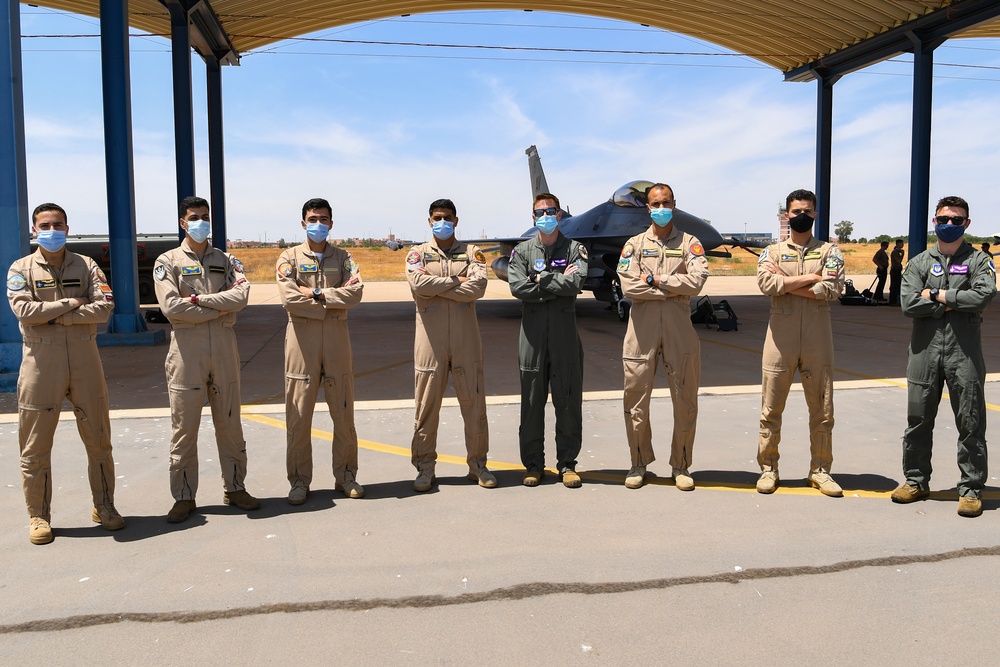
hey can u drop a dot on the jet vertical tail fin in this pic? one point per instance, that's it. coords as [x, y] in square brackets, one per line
[537, 175]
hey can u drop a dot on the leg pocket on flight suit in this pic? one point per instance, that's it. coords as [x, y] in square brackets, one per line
[682, 377]
[918, 389]
[462, 389]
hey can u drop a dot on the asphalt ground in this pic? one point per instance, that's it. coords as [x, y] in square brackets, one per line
[544, 575]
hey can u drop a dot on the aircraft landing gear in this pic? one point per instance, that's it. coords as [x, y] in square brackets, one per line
[619, 303]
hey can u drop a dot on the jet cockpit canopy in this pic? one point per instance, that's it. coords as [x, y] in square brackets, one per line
[632, 195]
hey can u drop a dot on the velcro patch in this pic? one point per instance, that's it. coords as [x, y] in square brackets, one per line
[650, 252]
[628, 251]
[697, 249]
[105, 288]
[216, 269]
[480, 257]
[309, 267]
[673, 252]
[813, 254]
[45, 284]
[190, 270]
[73, 282]
[785, 257]
[958, 269]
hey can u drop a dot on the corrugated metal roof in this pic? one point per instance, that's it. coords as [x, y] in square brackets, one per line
[784, 34]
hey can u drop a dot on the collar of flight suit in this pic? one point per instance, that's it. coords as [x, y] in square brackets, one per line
[327, 252]
[963, 253]
[38, 258]
[812, 244]
[674, 233]
[209, 251]
[457, 247]
[561, 241]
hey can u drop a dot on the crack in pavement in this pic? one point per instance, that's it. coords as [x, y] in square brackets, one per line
[516, 592]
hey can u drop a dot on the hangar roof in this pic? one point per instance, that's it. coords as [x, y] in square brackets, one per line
[785, 34]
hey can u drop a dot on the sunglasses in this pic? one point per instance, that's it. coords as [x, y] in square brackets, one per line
[539, 212]
[953, 219]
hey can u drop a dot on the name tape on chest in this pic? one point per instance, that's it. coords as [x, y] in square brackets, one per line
[191, 270]
[48, 283]
[308, 267]
[958, 269]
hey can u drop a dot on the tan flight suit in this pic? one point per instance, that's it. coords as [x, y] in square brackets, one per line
[447, 339]
[799, 336]
[660, 325]
[203, 361]
[318, 352]
[60, 360]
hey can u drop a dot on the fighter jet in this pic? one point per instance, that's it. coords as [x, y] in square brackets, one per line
[604, 229]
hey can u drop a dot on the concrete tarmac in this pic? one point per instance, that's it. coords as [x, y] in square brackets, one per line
[545, 575]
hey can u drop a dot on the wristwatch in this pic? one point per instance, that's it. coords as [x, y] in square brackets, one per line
[650, 279]
[934, 293]
[317, 293]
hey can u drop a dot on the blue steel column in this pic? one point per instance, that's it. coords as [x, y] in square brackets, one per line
[180, 49]
[13, 182]
[824, 153]
[118, 158]
[216, 152]
[920, 151]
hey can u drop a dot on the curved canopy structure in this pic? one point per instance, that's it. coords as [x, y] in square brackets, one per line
[785, 34]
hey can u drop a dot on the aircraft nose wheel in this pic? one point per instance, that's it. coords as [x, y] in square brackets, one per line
[621, 306]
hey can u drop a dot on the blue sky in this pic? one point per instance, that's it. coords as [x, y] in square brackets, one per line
[381, 131]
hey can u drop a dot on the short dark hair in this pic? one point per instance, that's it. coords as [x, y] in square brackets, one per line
[884, 244]
[546, 195]
[189, 203]
[899, 241]
[446, 204]
[954, 202]
[800, 195]
[316, 204]
[654, 186]
[48, 206]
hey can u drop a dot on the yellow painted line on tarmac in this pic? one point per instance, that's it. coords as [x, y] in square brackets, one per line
[608, 477]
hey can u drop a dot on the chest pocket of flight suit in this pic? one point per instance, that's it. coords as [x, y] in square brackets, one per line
[331, 276]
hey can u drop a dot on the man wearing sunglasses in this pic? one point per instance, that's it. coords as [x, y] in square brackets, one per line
[802, 275]
[446, 278]
[945, 290]
[660, 270]
[546, 273]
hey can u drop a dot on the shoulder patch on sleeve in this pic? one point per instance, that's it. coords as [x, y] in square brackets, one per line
[160, 272]
[285, 269]
[236, 264]
[413, 257]
[696, 249]
[583, 252]
[16, 282]
[627, 251]
[480, 257]
[101, 277]
[763, 255]
[350, 265]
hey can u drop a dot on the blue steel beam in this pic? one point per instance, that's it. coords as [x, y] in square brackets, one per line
[180, 49]
[920, 152]
[824, 153]
[126, 319]
[13, 182]
[216, 152]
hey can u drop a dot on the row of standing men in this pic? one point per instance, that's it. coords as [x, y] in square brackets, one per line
[60, 297]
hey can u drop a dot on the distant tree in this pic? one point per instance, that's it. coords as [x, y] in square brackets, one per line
[882, 237]
[862, 240]
[843, 230]
[281, 243]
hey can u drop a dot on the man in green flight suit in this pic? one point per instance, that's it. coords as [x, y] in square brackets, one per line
[546, 273]
[945, 290]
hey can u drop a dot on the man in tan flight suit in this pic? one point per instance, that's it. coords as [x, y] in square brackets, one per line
[59, 297]
[660, 270]
[200, 289]
[802, 275]
[446, 277]
[318, 283]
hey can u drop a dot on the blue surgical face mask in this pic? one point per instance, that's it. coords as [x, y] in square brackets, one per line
[546, 224]
[317, 231]
[948, 232]
[199, 230]
[443, 229]
[661, 216]
[52, 239]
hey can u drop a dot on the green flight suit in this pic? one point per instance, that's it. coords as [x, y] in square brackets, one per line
[946, 347]
[549, 349]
